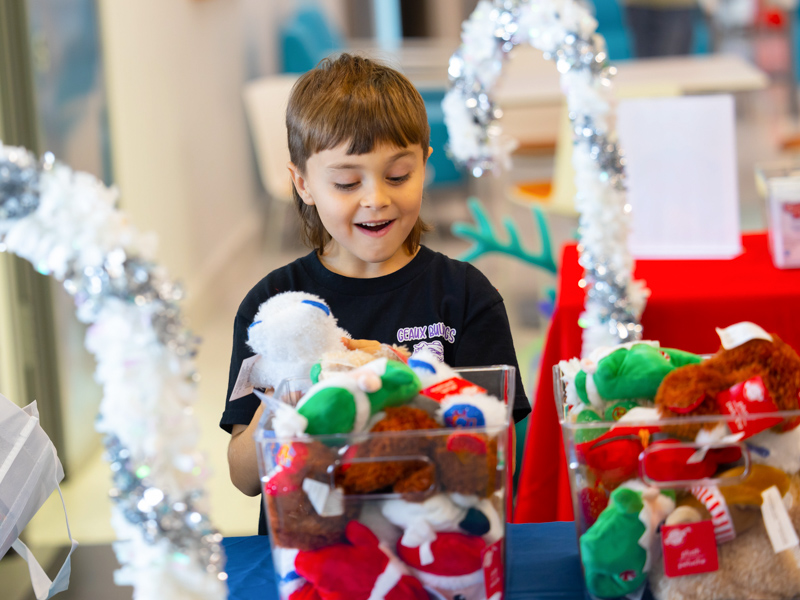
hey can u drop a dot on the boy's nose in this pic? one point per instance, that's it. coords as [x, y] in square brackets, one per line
[376, 198]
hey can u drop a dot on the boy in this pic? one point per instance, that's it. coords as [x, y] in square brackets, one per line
[358, 141]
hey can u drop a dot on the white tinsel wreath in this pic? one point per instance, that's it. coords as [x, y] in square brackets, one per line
[564, 31]
[66, 224]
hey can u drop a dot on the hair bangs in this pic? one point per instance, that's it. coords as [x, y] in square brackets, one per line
[367, 122]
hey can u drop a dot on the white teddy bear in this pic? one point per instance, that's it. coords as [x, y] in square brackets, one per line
[291, 331]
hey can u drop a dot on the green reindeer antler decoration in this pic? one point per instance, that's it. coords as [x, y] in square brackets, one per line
[485, 239]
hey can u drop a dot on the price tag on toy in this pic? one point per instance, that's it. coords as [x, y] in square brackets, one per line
[779, 526]
[740, 333]
[689, 549]
[492, 559]
[243, 386]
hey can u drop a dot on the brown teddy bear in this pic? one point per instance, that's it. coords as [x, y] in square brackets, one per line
[693, 390]
[295, 522]
[467, 463]
[369, 473]
[462, 461]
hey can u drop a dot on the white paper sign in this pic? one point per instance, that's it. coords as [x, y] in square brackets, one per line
[682, 176]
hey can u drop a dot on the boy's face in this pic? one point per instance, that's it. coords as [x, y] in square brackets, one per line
[368, 203]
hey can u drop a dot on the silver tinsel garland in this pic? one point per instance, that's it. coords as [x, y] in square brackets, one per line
[66, 225]
[178, 520]
[566, 34]
[19, 186]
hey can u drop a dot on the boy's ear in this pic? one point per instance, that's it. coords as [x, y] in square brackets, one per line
[430, 151]
[299, 181]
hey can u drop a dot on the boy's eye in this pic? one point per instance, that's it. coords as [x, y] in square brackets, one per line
[345, 186]
[399, 179]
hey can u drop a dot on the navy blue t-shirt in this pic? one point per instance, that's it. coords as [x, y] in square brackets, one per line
[434, 301]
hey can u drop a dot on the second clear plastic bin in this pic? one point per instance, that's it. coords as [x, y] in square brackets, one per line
[629, 478]
[442, 536]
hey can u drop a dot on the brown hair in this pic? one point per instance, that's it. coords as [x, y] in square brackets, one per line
[355, 99]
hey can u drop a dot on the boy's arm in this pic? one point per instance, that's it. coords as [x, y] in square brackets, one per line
[242, 457]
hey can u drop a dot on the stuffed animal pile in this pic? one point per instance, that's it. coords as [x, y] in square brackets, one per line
[665, 441]
[386, 478]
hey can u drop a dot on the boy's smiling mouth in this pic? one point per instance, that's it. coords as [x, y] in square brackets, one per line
[374, 226]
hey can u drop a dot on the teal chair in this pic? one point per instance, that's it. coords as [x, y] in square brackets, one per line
[305, 39]
[611, 24]
[442, 170]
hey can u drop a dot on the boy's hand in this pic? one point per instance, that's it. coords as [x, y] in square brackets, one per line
[371, 346]
[243, 458]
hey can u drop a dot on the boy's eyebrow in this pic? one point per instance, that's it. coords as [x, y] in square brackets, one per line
[344, 166]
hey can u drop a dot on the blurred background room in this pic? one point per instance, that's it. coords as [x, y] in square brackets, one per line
[179, 104]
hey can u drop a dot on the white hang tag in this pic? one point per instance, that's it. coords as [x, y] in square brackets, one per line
[700, 453]
[779, 526]
[740, 333]
[243, 386]
[327, 502]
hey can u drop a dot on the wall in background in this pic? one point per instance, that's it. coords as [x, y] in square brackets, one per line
[181, 150]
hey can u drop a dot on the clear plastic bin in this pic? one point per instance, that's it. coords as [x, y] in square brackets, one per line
[643, 472]
[325, 532]
[779, 185]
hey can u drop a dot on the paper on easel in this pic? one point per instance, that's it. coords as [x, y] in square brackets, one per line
[682, 176]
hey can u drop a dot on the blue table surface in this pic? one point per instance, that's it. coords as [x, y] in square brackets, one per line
[543, 564]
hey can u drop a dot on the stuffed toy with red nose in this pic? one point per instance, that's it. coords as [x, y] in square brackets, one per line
[753, 373]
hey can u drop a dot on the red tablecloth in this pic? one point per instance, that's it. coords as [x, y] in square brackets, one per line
[689, 299]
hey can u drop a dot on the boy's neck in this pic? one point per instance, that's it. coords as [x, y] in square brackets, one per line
[346, 265]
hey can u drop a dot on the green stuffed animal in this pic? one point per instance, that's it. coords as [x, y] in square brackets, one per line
[346, 403]
[630, 372]
[616, 550]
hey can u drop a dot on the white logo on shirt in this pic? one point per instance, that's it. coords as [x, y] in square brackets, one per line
[409, 334]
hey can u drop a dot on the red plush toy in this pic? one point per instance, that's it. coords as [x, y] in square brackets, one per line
[357, 570]
[452, 567]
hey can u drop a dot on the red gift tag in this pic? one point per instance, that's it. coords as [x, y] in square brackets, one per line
[689, 549]
[492, 559]
[745, 399]
[451, 387]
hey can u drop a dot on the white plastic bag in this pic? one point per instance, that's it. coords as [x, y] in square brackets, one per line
[29, 472]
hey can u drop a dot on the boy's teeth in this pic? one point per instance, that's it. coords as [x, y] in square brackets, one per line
[379, 225]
